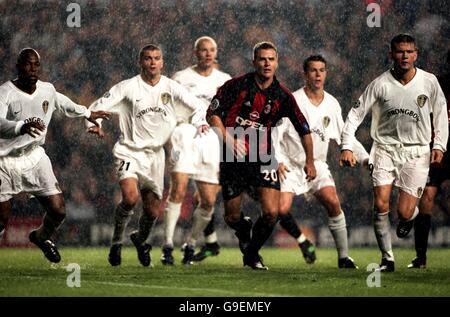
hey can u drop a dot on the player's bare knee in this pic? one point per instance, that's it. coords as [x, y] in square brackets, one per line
[334, 209]
[283, 208]
[177, 195]
[381, 206]
[129, 201]
[57, 207]
[152, 212]
[270, 215]
[231, 218]
[207, 204]
[59, 212]
[270, 218]
[405, 212]
[426, 204]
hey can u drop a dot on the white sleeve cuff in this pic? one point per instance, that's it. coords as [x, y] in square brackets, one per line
[87, 114]
[438, 147]
[19, 126]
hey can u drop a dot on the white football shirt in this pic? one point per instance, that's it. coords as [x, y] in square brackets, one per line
[203, 87]
[325, 122]
[401, 113]
[147, 115]
[17, 105]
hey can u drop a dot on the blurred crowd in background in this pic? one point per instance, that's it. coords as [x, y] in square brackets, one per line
[84, 62]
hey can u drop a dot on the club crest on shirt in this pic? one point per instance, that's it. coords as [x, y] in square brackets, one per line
[45, 106]
[214, 104]
[326, 121]
[175, 155]
[421, 99]
[165, 98]
[356, 104]
[419, 191]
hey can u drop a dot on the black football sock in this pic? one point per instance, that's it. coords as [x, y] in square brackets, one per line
[422, 225]
[146, 223]
[290, 225]
[50, 224]
[210, 227]
[260, 233]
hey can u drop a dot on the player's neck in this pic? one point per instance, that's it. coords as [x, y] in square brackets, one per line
[25, 87]
[151, 80]
[263, 82]
[203, 70]
[315, 96]
[402, 76]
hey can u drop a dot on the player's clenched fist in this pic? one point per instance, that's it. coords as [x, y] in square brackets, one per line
[33, 126]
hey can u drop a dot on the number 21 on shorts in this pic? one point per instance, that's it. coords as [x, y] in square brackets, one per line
[124, 165]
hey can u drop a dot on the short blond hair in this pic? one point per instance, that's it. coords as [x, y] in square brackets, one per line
[204, 38]
[264, 46]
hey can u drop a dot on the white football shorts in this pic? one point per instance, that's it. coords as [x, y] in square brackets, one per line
[196, 155]
[404, 166]
[147, 166]
[297, 183]
[29, 172]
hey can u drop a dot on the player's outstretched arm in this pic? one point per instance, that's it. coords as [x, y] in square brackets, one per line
[98, 115]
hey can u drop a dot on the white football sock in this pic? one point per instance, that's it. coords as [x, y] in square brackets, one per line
[171, 215]
[338, 228]
[382, 229]
[201, 219]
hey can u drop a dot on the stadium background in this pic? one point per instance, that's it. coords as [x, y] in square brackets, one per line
[84, 62]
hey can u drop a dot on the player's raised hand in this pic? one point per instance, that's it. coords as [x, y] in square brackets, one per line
[33, 127]
[96, 130]
[98, 115]
[347, 158]
[282, 171]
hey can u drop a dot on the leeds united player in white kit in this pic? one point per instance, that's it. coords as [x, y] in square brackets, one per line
[401, 100]
[196, 158]
[147, 117]
[323, 113]
[26, 108]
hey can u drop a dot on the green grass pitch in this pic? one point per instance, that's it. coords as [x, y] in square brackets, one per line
[25, 272]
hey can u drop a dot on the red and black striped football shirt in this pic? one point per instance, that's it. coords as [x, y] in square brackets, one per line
[241, 103]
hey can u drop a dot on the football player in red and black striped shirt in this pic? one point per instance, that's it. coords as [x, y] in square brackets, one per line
[243, 112]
